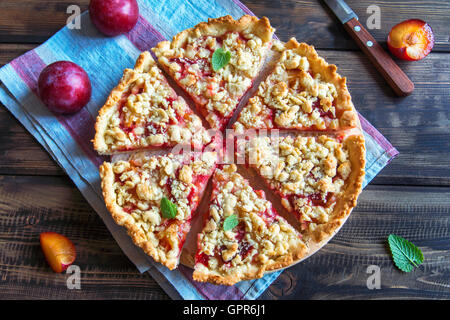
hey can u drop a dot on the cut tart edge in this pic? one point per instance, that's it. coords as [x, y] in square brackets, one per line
[143, 65]
[257, 267]
[257, 108]
[206, 100]
[135, 230]
[354, 142]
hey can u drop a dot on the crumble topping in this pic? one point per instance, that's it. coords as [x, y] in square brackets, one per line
[149, 113]
[308, 172]
[142, 181]
[298, 96]
[261, 237]
[218, 92]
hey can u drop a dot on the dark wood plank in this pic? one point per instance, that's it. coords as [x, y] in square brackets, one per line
[339, 270]
[314, 23]
[416, 125]
[10, 51]
[31, 205]
[309, 21]
[31, 21]
[21, 153]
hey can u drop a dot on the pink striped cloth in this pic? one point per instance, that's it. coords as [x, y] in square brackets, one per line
[67, 137]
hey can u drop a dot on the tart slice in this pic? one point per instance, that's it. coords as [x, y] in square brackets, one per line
[189, 60]
[303, 92]
[154, 197]
[143, 112]
[243, 235]
[318, 178]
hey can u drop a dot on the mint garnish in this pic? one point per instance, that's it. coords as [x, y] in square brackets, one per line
[220, 59]
[168, 208]
[405, 254]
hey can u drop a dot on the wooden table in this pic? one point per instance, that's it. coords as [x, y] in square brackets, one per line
[409, 198]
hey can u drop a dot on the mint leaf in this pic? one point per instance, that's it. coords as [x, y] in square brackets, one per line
[168, 208]
[220, 59]
[405, 254]
[230, 222]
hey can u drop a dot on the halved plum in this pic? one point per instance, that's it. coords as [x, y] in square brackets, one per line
[411, 40]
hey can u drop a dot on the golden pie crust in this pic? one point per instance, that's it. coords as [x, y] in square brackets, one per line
[261, 241]
[303, 96]
[144, 112]
[187, 59]
[133, 189]
[303, 92]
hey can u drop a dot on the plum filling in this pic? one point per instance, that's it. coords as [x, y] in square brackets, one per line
[203, 71]
[316, 199]
[324, 114]
[244, 247]
[202, 258]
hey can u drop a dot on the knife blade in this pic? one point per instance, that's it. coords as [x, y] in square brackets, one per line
[390, 71]
[342, 11]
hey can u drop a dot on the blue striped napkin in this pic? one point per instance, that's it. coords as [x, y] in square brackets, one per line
[67, 138]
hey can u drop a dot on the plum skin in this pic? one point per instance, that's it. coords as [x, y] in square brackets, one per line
[401, 52]
[114, 17]
[64, 87]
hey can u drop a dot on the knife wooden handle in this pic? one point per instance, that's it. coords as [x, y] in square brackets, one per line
[390, 71]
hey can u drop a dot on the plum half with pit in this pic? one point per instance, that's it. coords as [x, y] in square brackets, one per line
[114, 17]
[411, 40]
[64, 87]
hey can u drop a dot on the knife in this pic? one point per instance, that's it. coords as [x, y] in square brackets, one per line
[390, 71]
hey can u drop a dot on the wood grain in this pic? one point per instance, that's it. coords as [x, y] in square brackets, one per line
[21, 153]
[31, 205]
[309, 21]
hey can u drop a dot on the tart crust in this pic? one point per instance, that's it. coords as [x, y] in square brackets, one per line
[271, 242]
[183, 172]
[277, 104]
[320, 224]
[253, 116]
[190, 66]
[191, 132]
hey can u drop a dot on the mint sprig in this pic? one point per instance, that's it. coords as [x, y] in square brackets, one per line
[220, 59]
[230, 222]
[168, 208]
[405, 254]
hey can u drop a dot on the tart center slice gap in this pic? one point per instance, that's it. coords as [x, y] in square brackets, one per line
[154, 198]
[243, 236]
[144, 112]
[303, 93]
[215, 62]
[317, 177]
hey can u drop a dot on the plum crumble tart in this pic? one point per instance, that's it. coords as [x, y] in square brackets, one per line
[303, 92]
[243, 235]
[143, 112]
[318, 178]
[188, 59]
[154, 197]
